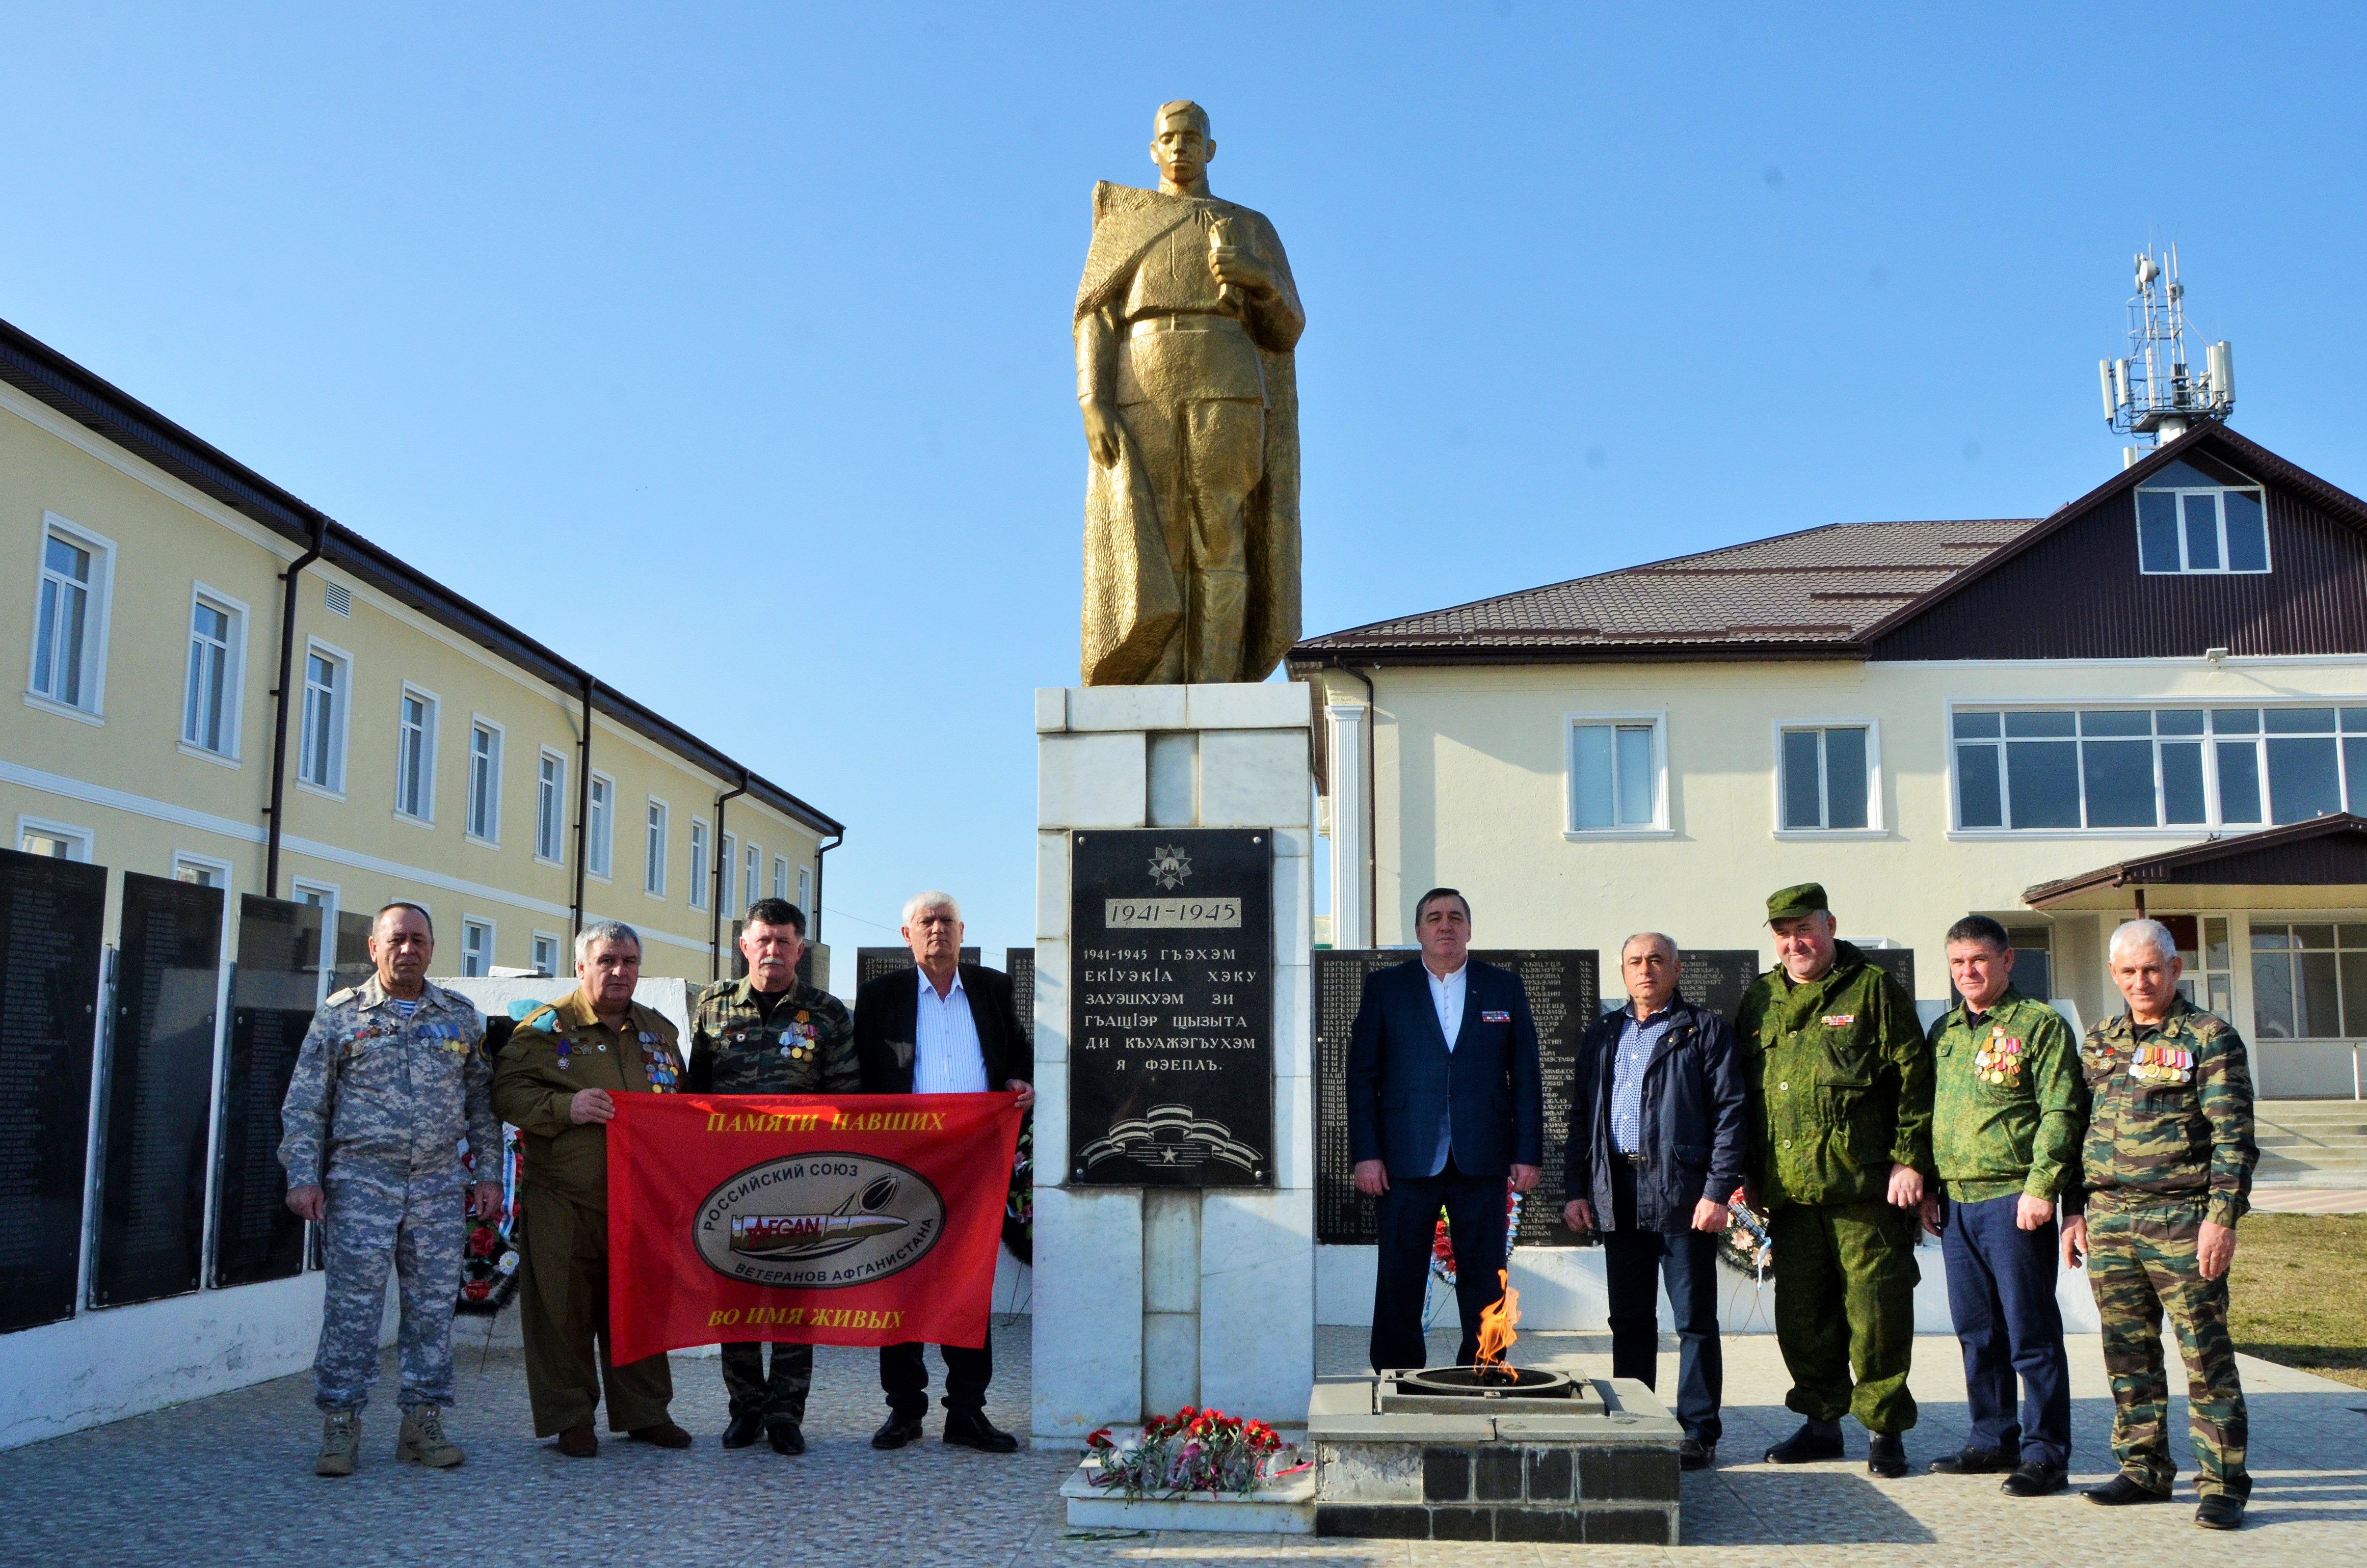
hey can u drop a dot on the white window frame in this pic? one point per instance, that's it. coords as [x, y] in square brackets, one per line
[727, 866]
[752, 875]
[80, 840]
[329, 895]
[469, 925]
[781, 876]
[701, 863]
[2219, 506]
[657, 821]
[425, 816]
[234, 683]
[1876, 824]
[550, 807]
[1571, 722]
[805, 891]
[92, 709]
[557, 952]
[490, 834]
[600, 830]
[220, 867]
[341, 705]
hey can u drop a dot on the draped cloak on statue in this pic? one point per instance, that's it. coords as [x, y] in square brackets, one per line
[1133, 601]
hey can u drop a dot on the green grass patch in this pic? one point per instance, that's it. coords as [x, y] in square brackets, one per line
[2295, 1295]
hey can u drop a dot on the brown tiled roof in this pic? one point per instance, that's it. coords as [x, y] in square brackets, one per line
[1813, 592]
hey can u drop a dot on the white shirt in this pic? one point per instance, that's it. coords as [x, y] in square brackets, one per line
[946, 1058]
[1446, 996]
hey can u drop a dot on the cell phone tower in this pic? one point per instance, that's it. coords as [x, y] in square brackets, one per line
[2154, 392]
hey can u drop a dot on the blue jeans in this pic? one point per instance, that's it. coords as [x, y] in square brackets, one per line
[1634, 1264]
[2001, 1295]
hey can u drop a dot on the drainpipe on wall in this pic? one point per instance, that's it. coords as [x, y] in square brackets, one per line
[279, 714]
[582, 806]
[814, 916]
[715, 911]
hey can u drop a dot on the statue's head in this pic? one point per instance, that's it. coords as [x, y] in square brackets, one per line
[1180, 144]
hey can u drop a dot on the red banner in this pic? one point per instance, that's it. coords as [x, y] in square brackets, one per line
[854, 1220]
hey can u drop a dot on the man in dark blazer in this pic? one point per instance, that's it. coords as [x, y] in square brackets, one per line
[942, 1027]
[1658, 1134]
[1446, 1102]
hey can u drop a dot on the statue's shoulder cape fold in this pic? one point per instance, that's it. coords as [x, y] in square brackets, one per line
[1128, 221]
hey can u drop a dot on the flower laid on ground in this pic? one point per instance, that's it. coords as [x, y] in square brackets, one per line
[1193, 1451]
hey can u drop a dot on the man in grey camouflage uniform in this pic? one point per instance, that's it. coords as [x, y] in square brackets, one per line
[391, 1075]
[2168, 1171]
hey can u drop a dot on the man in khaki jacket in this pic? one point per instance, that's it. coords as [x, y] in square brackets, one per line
[556, 1083]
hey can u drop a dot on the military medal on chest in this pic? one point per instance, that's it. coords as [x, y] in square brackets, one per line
[1999, 1059]
[2161, 1064]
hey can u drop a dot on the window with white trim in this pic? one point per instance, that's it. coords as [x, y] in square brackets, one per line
[2057, 769]
[805, 896]
[1827, 778]
[749, 890]
[76, 576]
[210, 688]
[58, 841]
[550, 807]
[2190, 521]
[780, 876]
[476, 948]
[546, 953]
[600, 826]
[200, 871]
[1617, 767]
[699, 864]
[2309, 980]
[414, 756]
[727, 872]
[322, 897]
[484, 781]
[321, 752]
[653, 873]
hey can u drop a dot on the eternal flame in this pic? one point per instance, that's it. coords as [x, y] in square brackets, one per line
[1186, 324]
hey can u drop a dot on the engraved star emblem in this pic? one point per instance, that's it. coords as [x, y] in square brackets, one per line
[1168, 867]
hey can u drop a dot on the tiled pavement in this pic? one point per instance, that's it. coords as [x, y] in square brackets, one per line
[228, 1480]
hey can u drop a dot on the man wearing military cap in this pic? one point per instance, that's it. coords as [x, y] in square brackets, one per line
[556, 1083]
[1840, 1083]
[2168, 1171]
[769, 1033]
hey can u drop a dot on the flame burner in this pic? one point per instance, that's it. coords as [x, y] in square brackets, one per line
[1488, 1391]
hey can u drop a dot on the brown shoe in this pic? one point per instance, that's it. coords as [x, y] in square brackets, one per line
[665, 1434]
[580, 1442]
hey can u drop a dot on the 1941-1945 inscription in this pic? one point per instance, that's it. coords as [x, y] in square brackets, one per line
[1170, 1012]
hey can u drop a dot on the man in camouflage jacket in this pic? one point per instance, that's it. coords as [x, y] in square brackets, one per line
[391, 1075]
[771, 1033]
[1839, 1093]
[2168, 1169]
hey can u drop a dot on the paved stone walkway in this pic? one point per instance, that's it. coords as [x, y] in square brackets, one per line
[228, 1480]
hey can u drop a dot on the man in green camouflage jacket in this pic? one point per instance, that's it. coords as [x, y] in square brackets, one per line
[771, 1033]
[2167, 1168]
[1839, 1084]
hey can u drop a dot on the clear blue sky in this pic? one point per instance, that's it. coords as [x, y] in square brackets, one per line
[725, 348]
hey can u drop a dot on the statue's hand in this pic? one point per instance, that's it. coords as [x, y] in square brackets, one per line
[1101, 431]
[1238, 265]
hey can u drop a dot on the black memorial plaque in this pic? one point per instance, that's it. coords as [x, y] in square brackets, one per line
[256, 1235]
[1898, 962]
[1564, 996]
[53, 931]
[1019, 963]
[870, 963]
[353, 964]
[1171, 1017]
[152, 1187]
[1716, 977]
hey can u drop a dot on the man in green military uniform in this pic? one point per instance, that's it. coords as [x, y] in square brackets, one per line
[2168, 1168]
[770, 1032]
[1839, 1084]
[556, 1083]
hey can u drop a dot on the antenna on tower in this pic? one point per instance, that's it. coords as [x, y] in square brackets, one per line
[2154, 392]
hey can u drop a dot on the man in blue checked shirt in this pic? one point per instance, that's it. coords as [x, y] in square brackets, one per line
[1656, 1148]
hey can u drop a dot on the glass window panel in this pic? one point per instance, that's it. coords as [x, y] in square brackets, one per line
[2182, 782]
[2354, 721]
[2202, 533]
[2043, 777]
[2157, 531]
[2037, 724]
[2178, 721]
[2215, 943]
[2318, 997]
[2312, 936]
[2300, 721]
[2270, 938]
[2119, 778]
[1980, 802]
[2186, 931]
[2351, 936]
[2234, 721]
[1634, 776]
[1845, 778]
[2248, 531]
[2116, 722]
[1986, 726]
[67, 560]
[2354, 994]
[2272, 996]
[2240, 780]
[1803, 804]
[2303, 781]
[2033, 972]
[2222, 996]
[1591, 775]
[2354, 772]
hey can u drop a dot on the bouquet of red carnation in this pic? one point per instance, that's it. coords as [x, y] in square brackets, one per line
[1193, 1451]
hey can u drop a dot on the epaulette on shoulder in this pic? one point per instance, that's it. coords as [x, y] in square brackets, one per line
[339, 999]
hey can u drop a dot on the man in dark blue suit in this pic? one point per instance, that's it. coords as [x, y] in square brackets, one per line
[1445, 1101]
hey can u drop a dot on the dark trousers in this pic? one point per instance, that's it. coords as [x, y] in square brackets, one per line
[1407, 1217]
[904, 1377]
[781, 1396]
[2001, 1295]
[1634, 1263]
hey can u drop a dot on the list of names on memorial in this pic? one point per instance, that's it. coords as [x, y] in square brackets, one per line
[1170, 1010]
[256, 1235]
[52, 917]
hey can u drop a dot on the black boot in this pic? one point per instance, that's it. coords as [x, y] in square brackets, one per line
[744, 1429]
[2035, 1480]
[1813, 1443]
[2123, 1490]
[1975, 1461]
[2219, 1512]
[896, 1431]
[786, 1434]
[1885, 1455]
[971, 1429]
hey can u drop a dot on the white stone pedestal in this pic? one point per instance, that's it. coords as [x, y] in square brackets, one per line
[1149, 1299]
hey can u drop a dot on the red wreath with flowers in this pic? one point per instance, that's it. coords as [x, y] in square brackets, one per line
[1192, 1451]
[1442, 1248]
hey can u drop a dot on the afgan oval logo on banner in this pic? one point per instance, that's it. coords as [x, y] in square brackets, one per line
[818, 1222]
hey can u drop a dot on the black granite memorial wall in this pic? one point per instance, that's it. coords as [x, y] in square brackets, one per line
[353, 964]
[52, 935]
[1171, 1017]
[1714, 978]
[1019, 963]
[271, 998]
[151, 1182]
[870, 963]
